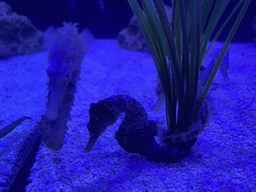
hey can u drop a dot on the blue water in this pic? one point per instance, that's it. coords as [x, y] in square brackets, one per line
[107, 21]
[223, 159]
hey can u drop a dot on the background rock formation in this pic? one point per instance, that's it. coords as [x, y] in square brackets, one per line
[17, 35]
[131, 37]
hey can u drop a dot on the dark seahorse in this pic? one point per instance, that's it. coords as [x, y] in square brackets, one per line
[136, 133]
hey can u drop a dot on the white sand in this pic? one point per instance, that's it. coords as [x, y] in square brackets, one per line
[223, 159]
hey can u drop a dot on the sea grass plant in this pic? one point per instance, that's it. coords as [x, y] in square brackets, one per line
[179, 50]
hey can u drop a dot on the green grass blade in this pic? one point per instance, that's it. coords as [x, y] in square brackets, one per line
[145, 29]
[185, 45]
[221, 29]
[195, 38]
[171, 51]
[165, 71]
[221, 56]
[215, 16]
[151, 29]
[205, 11]
[178, 33]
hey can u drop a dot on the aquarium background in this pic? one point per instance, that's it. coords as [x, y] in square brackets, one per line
[223, 159]
[105, 18]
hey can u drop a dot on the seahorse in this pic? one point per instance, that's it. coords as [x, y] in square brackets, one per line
[136, 133]
[66, 52]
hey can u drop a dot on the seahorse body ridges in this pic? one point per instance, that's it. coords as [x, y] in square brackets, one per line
[66, 52]
[136, 133]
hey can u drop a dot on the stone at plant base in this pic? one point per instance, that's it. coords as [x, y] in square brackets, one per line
[17, 35]
[131, 38]
[136, 133]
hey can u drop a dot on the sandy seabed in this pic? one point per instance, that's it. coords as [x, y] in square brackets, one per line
[223, 159]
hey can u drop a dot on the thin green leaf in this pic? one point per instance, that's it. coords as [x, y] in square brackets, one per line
[205, 11]
[172, 54]
[215, 16]
[221, 29]
[221, 56]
